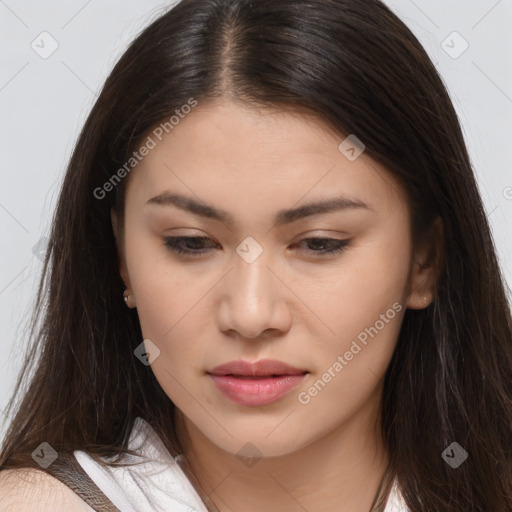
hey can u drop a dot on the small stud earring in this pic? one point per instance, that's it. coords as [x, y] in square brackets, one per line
[126, 297]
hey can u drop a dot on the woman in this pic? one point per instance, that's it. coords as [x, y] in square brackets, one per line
[271, 279]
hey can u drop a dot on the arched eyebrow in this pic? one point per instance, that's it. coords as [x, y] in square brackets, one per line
[288, 216]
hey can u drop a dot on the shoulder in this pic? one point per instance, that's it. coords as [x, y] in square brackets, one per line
[32, 490]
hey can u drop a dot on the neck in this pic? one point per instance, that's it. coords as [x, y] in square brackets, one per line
[340, 471]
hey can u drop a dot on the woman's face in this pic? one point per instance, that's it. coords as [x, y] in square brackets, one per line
[261, 285]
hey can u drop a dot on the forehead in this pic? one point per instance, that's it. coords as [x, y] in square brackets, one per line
[235, 154]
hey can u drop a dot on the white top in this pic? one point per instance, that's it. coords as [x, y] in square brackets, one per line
[160, 485]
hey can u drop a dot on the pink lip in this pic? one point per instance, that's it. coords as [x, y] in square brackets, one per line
[258, 383]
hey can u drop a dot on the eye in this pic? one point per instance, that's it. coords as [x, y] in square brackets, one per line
[325, 246]
[195, 246]
[190, 245]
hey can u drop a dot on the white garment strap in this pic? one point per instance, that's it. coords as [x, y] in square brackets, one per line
[156, 485]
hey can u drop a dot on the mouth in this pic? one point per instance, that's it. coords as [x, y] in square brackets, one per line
[256, 384]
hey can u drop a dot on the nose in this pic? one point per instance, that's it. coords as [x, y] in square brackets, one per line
[253, 300]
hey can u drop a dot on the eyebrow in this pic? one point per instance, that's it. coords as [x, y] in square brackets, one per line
[282, 217]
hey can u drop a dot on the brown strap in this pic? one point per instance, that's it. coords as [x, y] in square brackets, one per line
[67, 469]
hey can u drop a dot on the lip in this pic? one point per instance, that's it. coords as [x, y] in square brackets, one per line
[259, 383]
[261, 368]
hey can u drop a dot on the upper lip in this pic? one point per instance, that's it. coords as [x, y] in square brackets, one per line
[259, 368]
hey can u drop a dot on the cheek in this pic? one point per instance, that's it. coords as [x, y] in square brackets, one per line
[366, 317]
[171, 311]
[363, 306]
[163, 291]
[170, 314]
[368, 281]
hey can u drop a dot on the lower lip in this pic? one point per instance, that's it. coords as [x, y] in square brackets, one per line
[255, 391]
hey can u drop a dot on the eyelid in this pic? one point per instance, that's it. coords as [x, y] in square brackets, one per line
[322, 233]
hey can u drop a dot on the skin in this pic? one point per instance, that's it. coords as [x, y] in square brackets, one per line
[26, 489]
[290, 304]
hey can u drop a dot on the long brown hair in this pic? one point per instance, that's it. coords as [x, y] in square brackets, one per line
[355, 65]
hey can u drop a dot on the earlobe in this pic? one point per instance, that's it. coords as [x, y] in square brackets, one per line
[427, 262]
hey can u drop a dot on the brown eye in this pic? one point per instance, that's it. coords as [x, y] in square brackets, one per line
[190, 245]
[327, 246]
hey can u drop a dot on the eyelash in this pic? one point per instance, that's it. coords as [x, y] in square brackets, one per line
[173, 243]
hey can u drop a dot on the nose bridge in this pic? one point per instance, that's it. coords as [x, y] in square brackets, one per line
[250, 282]
[251, 293]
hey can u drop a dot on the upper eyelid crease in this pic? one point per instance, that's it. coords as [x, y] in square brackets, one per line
[282, 217]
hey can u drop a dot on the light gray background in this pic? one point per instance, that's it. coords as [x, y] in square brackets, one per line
[44, 102]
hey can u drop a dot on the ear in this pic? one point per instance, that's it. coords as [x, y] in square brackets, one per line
[123, 271]
[427, 262]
